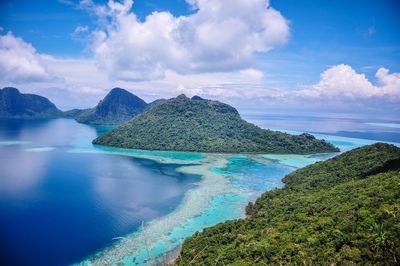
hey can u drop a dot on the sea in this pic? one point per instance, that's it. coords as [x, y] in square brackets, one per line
[64, 201]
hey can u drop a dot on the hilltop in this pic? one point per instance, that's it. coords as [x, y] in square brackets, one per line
[14, 104]
[343, 211]
[117, 107]
[200, 125]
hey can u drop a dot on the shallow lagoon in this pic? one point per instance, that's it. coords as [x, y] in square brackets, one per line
[65, 198]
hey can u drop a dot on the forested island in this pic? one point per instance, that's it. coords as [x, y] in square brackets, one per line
[14, 104]
[200, 125]
[117, 107]
[343, 211]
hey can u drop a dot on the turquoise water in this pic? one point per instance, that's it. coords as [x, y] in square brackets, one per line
[125, 187]
[246, 173]
[84, 144]
[222, 207]
[163, 154]
[245, 176]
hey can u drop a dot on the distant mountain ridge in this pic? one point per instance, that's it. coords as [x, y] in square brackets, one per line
[14, 104]
[199, 125]
[117, 107]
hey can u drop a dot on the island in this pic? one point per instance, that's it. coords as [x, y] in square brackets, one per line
[117, 107]
[343, 211]
[199, 125]
[74, 113]
[16, 105]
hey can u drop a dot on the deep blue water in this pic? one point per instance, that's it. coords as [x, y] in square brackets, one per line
[57, 207]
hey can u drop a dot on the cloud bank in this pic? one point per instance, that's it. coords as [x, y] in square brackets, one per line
[342, 81]
[19, 61]
[220, 36]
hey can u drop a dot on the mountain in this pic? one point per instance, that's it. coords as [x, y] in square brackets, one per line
[156, 102]
[117, 107]
[74, 113]
[343, 211]
[183, 124]
[14, 104]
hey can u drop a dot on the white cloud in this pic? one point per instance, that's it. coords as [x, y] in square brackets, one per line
[83, 84]
[252, 74]
[221, 35]
[342, 81]
[19, 61]
[389, 83]
[67, 2]
[81, 29]
[80, 33]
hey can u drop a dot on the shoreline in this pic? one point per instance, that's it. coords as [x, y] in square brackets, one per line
[164, 229]
[161, 232]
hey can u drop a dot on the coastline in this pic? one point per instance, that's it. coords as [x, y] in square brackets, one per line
[162, 231]
[198, 207]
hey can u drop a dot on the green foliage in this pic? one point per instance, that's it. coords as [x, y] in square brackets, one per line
[14, 104]
[74, 113]
[183, 124]
[356, 164]
[344, 211]
[117, 107]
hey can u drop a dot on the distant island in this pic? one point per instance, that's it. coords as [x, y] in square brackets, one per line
[343, 211]
[200, 125]
[117, 107]
[14, 104]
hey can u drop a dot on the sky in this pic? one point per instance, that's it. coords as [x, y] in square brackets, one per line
[278, 56]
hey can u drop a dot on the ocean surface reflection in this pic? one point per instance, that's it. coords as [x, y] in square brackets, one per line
[56, 207]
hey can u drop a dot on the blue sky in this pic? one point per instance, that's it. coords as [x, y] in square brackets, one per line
[309, 38]
[363, 34]
[48, 24]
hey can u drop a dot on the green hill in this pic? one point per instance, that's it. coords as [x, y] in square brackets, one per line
[14, 104]
[184, 124]
[74, 113]
[117, 107]
[343, 211]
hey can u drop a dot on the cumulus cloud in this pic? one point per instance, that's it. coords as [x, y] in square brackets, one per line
[342, 81]
[221, 35]
[19, 61]
[389, 82]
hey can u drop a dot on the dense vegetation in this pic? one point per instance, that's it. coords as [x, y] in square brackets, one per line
[183, 124]
[156, 102]
[344, 211]
[14, 104]
[74, 113]
[117, 107]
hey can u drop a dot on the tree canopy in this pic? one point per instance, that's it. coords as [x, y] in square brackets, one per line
[343, 211]
[199, 125]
